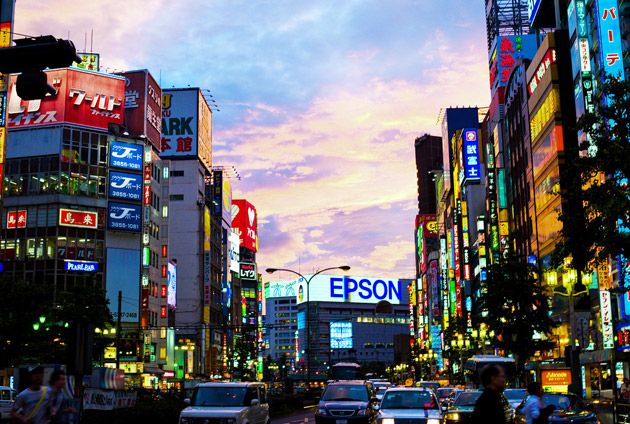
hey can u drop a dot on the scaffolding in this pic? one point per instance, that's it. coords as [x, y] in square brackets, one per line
[506, 17]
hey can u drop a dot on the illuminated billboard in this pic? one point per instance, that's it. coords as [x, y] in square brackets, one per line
[234, 251]
[125, 155]
[341, 335]
[280, 289]
[83, 98]
[171, 299]
[245, 223]
[335, 288]
[77, 218]
[125, 186]
[471, 157]
[143, 106]
[507, 51]
[610, 37]
[124, 217]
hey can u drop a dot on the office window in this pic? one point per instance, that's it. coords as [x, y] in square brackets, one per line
[176, 197]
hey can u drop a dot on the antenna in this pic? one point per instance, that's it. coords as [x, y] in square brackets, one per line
[92, 41]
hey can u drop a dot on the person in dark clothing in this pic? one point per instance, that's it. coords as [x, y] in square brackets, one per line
[491, 407]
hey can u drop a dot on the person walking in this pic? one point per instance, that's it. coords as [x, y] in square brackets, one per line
[625, 390]
[32, 404]
[492, 407]
[61, 410]
[533, 404]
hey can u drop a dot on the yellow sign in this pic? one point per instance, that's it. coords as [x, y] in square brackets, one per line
[110, 352]
[3, 138]
[545, 113]
[5, 35]
[408, 382]
[603, 276]
[432, 226]
[504, 229]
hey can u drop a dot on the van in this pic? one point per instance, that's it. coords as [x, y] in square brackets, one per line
[7, 399]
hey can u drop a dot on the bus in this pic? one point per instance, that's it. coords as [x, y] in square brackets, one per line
[474, 365]
[345, 371]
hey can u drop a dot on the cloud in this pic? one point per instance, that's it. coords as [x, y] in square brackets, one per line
[320, 102]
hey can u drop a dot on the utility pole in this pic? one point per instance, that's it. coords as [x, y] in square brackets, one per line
[118, 330]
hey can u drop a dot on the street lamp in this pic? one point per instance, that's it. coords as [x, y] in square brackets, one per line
[308, 310]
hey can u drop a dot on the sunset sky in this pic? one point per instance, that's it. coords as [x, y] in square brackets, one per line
[320, 102]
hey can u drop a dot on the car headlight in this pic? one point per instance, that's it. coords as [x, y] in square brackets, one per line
[387, 421]
[453, 416]
[433, 421]
[321, 411]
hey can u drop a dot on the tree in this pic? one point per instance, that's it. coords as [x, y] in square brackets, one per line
[597, 180]
[516, 308]
[34, 330]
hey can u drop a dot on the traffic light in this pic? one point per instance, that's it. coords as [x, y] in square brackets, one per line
[30, 56]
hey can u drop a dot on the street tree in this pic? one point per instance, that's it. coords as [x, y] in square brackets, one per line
[516, 307]
[597, 181]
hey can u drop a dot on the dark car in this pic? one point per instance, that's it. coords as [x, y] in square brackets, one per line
[347, 402]
[446, 395]
[569, 408]
[464, 405]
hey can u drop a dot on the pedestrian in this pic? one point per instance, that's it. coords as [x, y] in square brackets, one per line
[61, 410]
[625, 390]
[32, 404]
[534, 410]
[492, 406]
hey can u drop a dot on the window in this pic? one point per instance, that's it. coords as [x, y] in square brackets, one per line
[177, 173]
[176, 197]
[164, 211]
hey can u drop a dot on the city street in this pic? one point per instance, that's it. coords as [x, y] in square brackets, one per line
[302, 417]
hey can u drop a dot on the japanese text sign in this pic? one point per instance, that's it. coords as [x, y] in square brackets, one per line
[125, 186]
[76, 218]
[179, 123]
[124, 217]
[247, 271]
[610, 37]
[82, 98]
[125, 155]
[245, 223]
[606, 312]
[143, 106]
[472, 162]
[549, 58]
[16, 219]
[505, 55]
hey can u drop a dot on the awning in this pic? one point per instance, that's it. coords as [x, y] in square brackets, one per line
[153, 369]
[596, 356]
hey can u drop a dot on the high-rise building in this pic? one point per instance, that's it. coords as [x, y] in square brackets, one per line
[280, 320]
[187, 143]
[428, 159]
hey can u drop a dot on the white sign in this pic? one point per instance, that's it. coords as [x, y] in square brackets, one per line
[336, 288]
[234, 246]
[607, 327]
[171, 300]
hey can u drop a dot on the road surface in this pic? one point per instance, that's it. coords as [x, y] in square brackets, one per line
[301, 417]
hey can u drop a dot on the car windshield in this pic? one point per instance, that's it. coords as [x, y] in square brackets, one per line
[381, 390]
[346, 392]
[516, 394]
[444, 392]
[467, 399]
[218, 396]
[564, 402]
[412, 399]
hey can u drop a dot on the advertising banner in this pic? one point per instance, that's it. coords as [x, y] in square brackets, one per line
[506, 53]
[610, 37]
[171, 300]
[245, 223]
[335, 288]
[83, 98]
[80, 266]
[76, 218]
[126, 263]
[472, 160]
[247, 271]
[125, 186]
[280, 289]
[340, 335]
[125, 155]
[143, 106]
[555, 380]
[16, 219]
[179, 123]
[89, 61]
[234, 251]
[606, 316]
[124, 217]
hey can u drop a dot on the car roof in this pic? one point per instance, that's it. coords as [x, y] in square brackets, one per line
[347, 382]
[229, 384]
[410, 389]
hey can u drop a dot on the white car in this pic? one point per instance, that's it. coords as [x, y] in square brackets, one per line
[406, 404]
[7, 398]
[227, 403]
[380, 388]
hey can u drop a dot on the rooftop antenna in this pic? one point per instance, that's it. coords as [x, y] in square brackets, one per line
[85, 42]
[92, 41]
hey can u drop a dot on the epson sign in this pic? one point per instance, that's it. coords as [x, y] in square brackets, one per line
[334, 288]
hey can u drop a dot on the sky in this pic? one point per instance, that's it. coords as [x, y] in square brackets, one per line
[319, 104]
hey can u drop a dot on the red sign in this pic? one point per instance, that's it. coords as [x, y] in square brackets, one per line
[245, 223]
[145, 299]
[83, 98]
[147, 195]
[143, 106]
[545, 64]
[16, 219]
[147, 174]
[80, 219]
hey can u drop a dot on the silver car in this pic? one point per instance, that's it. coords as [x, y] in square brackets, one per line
[227, 403]
[402, 405]
[7, 398]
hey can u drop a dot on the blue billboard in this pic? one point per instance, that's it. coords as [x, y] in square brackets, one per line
[610, 37]
[125, 186]
[124, 217]
[80, 266]
[472, 165]
[126, 155]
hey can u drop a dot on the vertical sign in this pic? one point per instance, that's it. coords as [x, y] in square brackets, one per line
[7, 10]
[472, 166]
[610, 37]
[606, 311]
